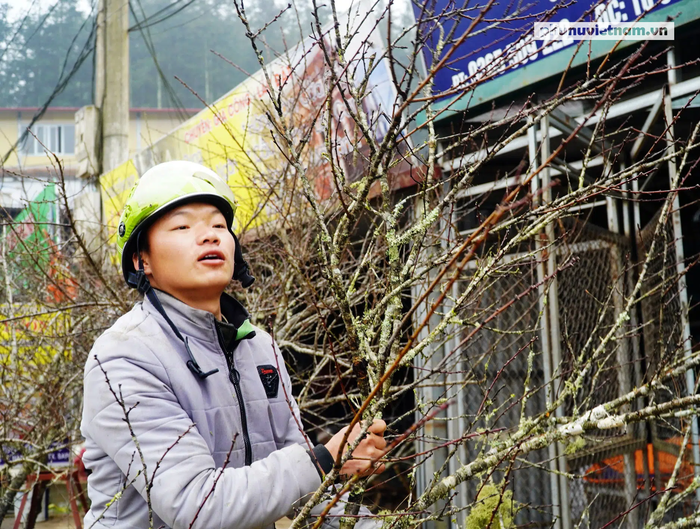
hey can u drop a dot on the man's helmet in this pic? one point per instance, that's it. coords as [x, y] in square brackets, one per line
[165, 187]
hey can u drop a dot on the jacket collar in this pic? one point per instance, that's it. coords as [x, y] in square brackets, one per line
[201, 324]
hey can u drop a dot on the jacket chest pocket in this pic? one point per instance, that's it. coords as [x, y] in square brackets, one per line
[279, 413]
[270, 379]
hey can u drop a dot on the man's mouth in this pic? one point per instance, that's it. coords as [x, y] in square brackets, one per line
[212, 256]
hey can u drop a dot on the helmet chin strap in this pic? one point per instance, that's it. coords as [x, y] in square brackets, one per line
[138, 279]
[141, 282]
[241, 270]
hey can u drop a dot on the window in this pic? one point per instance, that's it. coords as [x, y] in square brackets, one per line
[59, 139]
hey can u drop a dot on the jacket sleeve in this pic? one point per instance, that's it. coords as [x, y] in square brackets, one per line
[295, 436]
[295, 432]
[175, 468]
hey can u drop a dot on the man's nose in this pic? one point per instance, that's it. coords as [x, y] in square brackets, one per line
[209, 235]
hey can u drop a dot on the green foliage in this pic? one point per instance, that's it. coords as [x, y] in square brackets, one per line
[59, 509]
[39, 50]
[491, 498]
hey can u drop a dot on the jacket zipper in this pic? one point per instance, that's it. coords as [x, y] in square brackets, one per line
[235, 378]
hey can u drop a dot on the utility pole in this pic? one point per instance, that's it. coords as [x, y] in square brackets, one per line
[112, 80]
[102, 129]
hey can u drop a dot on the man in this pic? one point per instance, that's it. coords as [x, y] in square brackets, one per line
[188, 415]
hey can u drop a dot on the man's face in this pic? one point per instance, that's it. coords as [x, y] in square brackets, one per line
[190, 253]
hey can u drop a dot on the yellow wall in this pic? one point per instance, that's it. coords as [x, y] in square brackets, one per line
[147, 127]
[8, 134]
[9, 124]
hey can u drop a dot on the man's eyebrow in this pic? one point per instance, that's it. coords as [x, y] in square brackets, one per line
[179, 212]
[187, 211]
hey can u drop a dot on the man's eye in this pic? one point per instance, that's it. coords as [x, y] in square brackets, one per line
[181, 228]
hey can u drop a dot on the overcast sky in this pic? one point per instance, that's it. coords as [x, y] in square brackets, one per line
[19, 8]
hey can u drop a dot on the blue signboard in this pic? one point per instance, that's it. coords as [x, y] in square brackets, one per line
[59, 456]
[502, 44]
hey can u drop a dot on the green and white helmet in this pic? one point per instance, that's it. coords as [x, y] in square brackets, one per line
[162, 188]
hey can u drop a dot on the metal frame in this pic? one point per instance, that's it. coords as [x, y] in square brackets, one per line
[427, 472]
[567, 124]
[630, 106]
[624, 218]
[558, 167]
[680, 256]
[545, 333]
[623, 356]
[553, 315]
[456, 411]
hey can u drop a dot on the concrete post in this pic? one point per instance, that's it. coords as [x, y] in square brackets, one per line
[112, 80]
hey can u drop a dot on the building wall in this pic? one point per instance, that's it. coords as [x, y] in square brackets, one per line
[27, 170]
[149, 125]
[145, 127]
[8, 134]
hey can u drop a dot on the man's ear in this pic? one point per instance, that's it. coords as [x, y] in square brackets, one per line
[145, 259]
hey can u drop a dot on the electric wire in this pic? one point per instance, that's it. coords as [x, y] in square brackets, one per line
[149, 22]
[176, 26]
[148, 41]
[86, 51]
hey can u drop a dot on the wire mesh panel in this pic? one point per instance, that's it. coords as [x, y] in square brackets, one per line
[503, 364]
[597, 360]
[504, 369]
[598, 493]
[661, 313]
[660, 304]
[663, 345]
[591, 295]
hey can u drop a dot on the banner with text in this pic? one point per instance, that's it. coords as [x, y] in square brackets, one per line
[503, 40]
[236, 136]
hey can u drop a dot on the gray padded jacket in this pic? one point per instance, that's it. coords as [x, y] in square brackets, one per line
[190, 437]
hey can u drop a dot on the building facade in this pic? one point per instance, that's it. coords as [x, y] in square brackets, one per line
[595, 255]
[28, 166]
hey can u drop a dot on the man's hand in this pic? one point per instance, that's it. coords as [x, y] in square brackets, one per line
[370, 449]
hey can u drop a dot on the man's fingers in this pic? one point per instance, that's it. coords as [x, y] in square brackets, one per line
[379, 442]
[375, 469]
[378, 427]
[366, 464]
